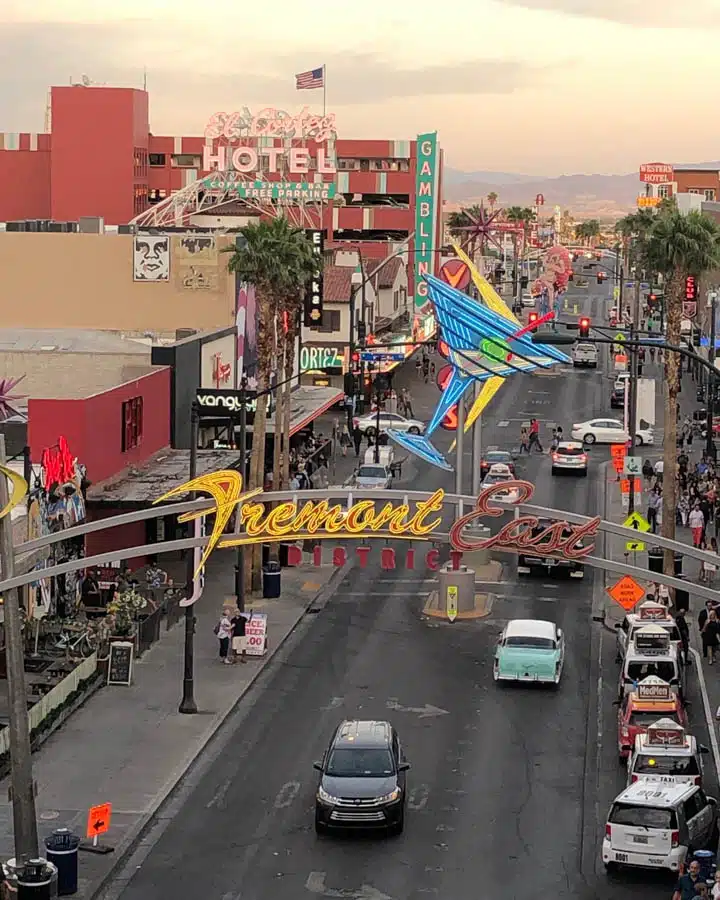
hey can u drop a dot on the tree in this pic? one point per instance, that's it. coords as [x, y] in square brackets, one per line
[492, 199]
[677, 246]
[525, 216]
[278, 259]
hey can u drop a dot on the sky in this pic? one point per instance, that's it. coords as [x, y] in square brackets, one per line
[540, 87]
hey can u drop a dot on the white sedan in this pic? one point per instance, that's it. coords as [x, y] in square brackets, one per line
[498, 475]
[368, 424]
[609, 431]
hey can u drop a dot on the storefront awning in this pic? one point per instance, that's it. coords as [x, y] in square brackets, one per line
[306, 404]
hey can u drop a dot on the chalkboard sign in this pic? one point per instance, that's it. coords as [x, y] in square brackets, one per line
[120, 662]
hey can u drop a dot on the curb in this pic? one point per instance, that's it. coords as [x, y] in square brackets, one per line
[135, 835]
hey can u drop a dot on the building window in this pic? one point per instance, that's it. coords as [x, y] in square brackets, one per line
[185, 160]
[396, 300]
[710, 194]
[663, 191]
[132, 424]
[348, 164]
[389, 165]
[157, 159]
[331, 321]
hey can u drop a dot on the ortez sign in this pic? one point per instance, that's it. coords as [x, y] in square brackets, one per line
[217, 403]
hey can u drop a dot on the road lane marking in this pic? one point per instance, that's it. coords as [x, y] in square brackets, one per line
[708, 711]
[218, 800]
[418, 797]
[287, 793]
[423, 712]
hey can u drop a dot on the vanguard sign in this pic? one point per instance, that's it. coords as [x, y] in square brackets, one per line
[290, 522]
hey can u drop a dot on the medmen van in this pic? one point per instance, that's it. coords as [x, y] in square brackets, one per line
[666, 754]
[658, 825]
[651, 652]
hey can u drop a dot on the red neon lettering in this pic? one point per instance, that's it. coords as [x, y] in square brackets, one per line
[294, 555]
[387, 558]
[363, 553]
[432, 560]
[410, 559]
[317, 555]
[339, 556]
[58, 463]
[455, 559]
[560, 538]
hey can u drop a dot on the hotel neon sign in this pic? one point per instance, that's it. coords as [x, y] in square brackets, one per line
[319, 520]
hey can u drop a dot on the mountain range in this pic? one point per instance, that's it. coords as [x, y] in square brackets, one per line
[604, 197]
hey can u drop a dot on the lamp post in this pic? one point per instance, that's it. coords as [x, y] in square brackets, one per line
[240, 559]
[710, 439]
[188, 704]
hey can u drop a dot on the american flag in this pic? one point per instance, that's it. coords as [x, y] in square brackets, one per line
[309, 81]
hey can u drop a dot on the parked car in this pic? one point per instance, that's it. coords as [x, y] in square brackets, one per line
[362, 779]
[530, 650]
[368, 424]
[609, 431]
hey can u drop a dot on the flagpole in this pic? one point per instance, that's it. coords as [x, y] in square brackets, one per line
[324, 90]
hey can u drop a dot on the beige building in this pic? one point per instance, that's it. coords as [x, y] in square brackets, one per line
[151, 284]
[66, 364]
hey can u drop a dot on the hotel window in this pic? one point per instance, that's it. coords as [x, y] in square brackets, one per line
[331, 321]
[185, 160]
[710, 194]
[350, 165]
[389, 165]
[694, 191]
[157, 159]
[663, 192]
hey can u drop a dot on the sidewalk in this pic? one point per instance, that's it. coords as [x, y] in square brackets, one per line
[129, 746]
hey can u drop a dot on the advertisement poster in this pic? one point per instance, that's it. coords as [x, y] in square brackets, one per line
[256, 634]
[151, 258]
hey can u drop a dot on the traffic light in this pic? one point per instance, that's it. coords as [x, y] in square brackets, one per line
[691, 287]
[652, 299]
[532, 318]
[584, 327]
[361, 331]
[356, 362]
[600, 277]
[524, 280]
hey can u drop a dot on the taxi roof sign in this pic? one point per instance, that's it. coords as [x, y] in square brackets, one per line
[653, 688]
[626, 592]
[649, 611]
[666, 733]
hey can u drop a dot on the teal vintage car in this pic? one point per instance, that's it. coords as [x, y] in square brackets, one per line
[530, 650]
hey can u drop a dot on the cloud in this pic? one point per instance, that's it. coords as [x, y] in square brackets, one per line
[648, 13]
[189, 72]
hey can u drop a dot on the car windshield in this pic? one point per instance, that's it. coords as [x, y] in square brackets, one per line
[530, 643]
[646, 719]
[666, 765]
[359, 762]
[371, 472]
[498, 458]
[642, 816]
[661, 668]
[497, 479]
[570, 451]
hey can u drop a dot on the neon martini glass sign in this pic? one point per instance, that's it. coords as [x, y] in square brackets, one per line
[481, 344]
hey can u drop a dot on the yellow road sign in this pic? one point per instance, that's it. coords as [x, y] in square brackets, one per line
[452, 602]
[634, 546]
[616, 293]
[636, 521]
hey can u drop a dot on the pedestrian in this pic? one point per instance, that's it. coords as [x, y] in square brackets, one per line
[715, 894]
[223, 631]
[710, 634]
[426, 369]
[418, 367]
[345, 441]
[535, 435]
[408, 404]
[647, 471]
[357, 439]
[432, 370]
[654, 506]
[696, 521]
[684, 632]
[524, 440]
[239, 642]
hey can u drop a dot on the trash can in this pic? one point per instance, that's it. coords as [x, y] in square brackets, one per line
[36, 880]
[271, 576]
[62, 850]
[655, 560]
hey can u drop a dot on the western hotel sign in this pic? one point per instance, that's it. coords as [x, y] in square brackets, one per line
[426, 187]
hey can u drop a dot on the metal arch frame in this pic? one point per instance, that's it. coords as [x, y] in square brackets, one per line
[461, 502]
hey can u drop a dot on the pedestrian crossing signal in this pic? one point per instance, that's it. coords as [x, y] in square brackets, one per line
[532, 318]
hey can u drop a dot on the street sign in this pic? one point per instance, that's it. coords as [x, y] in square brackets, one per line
[625, 499]
[618, 451]
[452, 602]
[636, 521]
[99, 820]
[626, 592]
[632, 465]
[634, 546]
[620, 362]
[382, 357]
[618, 464]
[616, 293]
[689, 309]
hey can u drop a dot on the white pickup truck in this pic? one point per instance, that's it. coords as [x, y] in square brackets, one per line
[584, 355]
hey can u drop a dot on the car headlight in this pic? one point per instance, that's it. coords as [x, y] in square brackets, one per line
[388, 798]
[323, 795]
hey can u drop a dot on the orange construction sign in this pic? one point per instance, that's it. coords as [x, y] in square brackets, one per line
[99, 819]
[618, 464]
[618, 451]
[626, 592]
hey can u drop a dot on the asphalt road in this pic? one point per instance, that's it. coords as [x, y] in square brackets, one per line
[508, 787]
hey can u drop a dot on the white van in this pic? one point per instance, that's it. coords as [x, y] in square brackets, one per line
[651, 652]
[647, 613]
[666, 754]
[658, 825]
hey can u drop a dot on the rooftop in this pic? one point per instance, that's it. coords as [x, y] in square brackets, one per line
[142, 484]
[387, 273]
[337, 284]
[68, 340]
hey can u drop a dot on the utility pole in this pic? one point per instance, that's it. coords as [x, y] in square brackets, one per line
[351, 408]
[710, 445]
[21, 775]
[477, 448]
[634, 364]
[459, 446]
[188, 704]
[240, 559]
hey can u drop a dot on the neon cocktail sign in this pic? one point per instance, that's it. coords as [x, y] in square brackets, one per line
[365, 519]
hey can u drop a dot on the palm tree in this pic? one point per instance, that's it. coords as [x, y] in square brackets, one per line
[525, 216]
[492, 199]
[278, 259]
[678, 245]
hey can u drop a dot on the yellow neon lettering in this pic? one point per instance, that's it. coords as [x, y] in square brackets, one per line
[393, 517]
[336, 521]
[251, 517]
[416, 525]
[279, 520]
[353, 524]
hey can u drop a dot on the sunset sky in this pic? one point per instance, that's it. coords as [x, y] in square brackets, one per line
[535, 86]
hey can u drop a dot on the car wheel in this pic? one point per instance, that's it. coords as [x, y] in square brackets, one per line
[589, 438]
[399, 826]
[584, 473]
[370, 431]
[638, 441]
[414, 430]
[553, 471]
[320, 827]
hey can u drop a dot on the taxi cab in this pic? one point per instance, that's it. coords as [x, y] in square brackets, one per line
[497, 475]
[647, 613]
[666, 754]
[653, 699]
[651, 652]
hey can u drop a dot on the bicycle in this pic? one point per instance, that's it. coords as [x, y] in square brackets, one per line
[77, 640]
